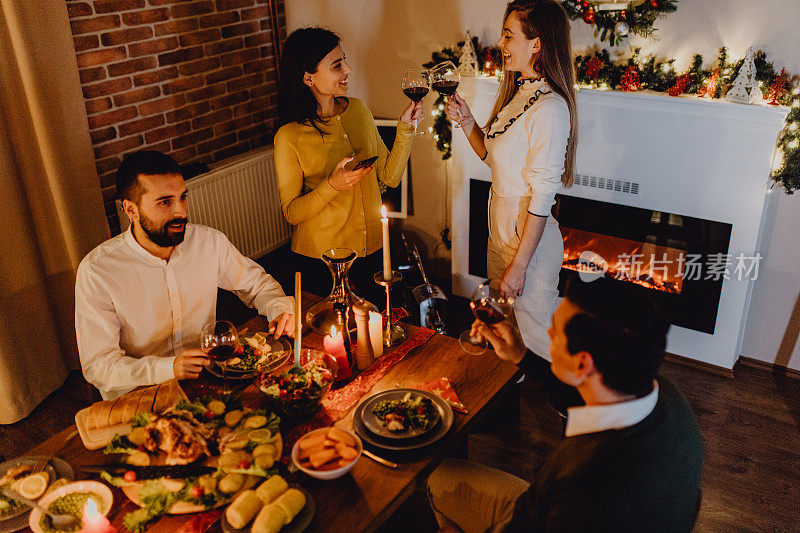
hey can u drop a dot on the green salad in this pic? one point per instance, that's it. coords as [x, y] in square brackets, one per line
[298, 394]
[412, 412]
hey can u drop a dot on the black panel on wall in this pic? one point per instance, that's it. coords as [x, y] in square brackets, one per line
[478, 227]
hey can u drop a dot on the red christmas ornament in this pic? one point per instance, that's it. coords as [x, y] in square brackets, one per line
[680, 85]
[630, 80]
[711, 88]
[593, 68]
[777, 89]
[588, 17]
[654, 3]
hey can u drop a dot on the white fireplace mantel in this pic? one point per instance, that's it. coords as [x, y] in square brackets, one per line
[708, 159]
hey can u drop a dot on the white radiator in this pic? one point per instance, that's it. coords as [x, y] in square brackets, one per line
[239, 197]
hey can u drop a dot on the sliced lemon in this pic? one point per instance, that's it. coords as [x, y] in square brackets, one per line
[260, 435]
[33, 486]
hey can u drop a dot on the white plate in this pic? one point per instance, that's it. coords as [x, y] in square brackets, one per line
[96, 487]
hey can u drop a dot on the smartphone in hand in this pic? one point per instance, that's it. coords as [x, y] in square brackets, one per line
[366, 163]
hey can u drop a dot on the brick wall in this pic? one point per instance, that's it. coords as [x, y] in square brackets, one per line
[195, 79]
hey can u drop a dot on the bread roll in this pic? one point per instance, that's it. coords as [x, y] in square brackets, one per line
[268, 491]
[270, 520]
[292, 502]
[243, 509]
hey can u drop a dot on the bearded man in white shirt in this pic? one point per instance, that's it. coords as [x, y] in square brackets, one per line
[142, 297]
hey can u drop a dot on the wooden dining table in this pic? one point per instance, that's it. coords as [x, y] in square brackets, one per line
[370, 493]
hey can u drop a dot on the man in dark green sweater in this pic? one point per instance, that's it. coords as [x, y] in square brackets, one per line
[632, 455]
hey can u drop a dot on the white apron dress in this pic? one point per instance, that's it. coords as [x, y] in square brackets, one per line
[526, 147]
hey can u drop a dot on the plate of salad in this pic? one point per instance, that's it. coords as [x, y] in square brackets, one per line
[401, 413]
[254, 349]
[299, 394]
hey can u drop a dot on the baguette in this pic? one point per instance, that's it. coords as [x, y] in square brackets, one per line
[98, 414]
[147, 399]
[125, 408]
[167, 395]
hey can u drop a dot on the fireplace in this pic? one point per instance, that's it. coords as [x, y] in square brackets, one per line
[664, 188]
[666, 253]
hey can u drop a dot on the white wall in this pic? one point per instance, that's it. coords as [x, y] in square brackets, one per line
[381, 38]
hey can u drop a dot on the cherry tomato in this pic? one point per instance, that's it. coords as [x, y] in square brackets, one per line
[244, 464]
[420, 410]
[197, 491]
[209, 414]
[281, 393]
[130, 476]
[239, 349]
[257, 352]
[326, 375]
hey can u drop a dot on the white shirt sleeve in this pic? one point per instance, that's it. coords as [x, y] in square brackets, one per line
[97, 327]
[251, 284]
[548, 131]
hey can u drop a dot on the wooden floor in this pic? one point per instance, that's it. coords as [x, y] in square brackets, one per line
[750, 426]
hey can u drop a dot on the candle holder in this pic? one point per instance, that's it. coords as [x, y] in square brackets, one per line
[392, 333]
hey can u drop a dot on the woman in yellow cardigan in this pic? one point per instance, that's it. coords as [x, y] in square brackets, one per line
[323, 135]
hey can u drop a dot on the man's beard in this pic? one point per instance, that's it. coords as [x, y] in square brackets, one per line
[161, 235]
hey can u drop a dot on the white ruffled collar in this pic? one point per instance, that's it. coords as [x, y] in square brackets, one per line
[528, 91]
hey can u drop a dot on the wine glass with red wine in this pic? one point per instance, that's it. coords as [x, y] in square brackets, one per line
[445, 79]
[219, 341]
[490, 306]
[416, 85]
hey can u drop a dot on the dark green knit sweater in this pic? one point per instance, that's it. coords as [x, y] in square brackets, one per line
[644, 478]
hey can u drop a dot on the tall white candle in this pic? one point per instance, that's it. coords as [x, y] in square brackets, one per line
[376, 333]
[387, 261]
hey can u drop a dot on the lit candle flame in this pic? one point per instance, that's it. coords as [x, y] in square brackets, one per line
[91, 510]
[383, 212]
[333, 331]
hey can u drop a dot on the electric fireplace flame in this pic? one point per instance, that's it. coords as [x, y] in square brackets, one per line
[655, 267]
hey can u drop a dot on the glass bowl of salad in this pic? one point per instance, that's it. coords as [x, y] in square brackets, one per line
[299, 394]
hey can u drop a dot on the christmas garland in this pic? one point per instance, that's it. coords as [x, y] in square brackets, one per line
[598, 70]
[638, 17]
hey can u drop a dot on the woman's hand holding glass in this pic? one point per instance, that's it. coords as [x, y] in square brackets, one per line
[458, 111]
[343, 179]
[413, 114]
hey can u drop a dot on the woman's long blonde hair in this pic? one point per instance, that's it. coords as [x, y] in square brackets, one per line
[546, 20]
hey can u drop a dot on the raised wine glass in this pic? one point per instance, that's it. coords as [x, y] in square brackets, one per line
[444, 80]
[490, 306]
[219, 341]
[416, 85]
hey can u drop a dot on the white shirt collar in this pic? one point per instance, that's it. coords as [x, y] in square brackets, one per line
[596, 418]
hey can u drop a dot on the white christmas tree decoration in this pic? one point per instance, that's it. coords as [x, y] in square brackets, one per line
[468, 62]
[745, 88]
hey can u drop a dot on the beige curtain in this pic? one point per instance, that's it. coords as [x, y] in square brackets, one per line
[51, 207]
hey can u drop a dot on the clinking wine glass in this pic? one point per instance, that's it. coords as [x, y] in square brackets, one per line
[416, 85]
[444, 80]
[219, 341]
[490, 306]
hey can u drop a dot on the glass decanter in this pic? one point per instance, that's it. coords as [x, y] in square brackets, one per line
[322, 316]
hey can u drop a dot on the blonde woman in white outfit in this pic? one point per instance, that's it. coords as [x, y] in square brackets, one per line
[529, 144]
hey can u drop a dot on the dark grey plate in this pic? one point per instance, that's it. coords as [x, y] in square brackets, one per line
[299, 524]
[375, 425]
[58, 468]
[439, 431]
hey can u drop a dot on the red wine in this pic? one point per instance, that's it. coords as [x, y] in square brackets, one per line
[447, 88]
[488, 314]
[221, 353]
[416, 93]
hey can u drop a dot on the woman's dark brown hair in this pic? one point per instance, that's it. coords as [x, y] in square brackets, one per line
[302, 52]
